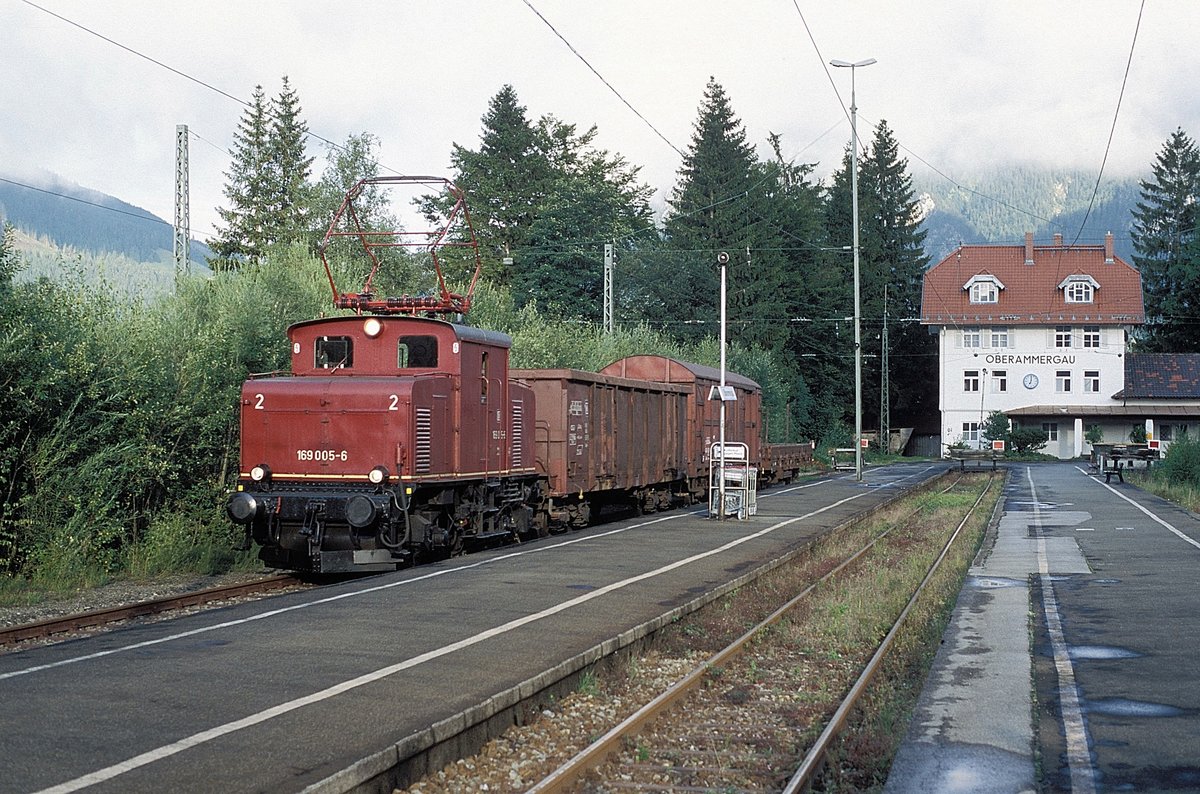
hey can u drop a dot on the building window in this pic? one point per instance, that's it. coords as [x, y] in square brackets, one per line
[1062, 381]
[1091, 381]
[972, 337]
[1051, 430]
[999, 337]
[1091, 336]
[1062, 336]
[984, 292]
[970, 431]
[1168, 432]
[971, 380]
[1000, 380]
[1079, 292]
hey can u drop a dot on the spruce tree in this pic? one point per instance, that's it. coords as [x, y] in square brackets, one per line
[543, 195]
[267, 181]
[1167, 248]
[897, 258]
[891, 253]
[504, 181]
[289, 168]
[722, 201]
[242, 237]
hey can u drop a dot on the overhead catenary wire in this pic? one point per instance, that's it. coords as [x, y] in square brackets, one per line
[1116, 114]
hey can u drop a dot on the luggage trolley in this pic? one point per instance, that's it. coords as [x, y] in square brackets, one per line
[741, 482]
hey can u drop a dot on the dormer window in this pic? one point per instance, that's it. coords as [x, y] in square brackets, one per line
[1079, 289]
[984, 289]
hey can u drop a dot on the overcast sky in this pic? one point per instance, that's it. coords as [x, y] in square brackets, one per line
[963, 83]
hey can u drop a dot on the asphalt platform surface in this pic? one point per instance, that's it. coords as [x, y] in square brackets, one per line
[1072, 662]
[289, 692]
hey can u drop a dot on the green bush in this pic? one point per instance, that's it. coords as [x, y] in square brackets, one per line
[1027, 439]
[1182, 462]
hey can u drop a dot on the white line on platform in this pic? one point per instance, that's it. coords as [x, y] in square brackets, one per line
[1083, 778]
[1152, 516]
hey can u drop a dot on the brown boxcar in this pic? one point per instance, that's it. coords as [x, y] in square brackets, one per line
[602, 439]
[743, 417]
[782, 462]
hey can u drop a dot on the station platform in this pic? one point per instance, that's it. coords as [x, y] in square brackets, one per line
[1069, 663]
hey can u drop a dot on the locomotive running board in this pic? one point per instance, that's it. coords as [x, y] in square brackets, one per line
[362, 560]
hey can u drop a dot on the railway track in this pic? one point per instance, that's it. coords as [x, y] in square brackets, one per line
[43, 629]
[731, 724]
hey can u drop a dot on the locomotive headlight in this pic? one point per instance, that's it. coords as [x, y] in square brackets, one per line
[377, 475]
[261, 473]
[372, 327]
[242, 508]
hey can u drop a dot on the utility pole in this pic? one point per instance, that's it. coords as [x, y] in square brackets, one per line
[858, 436]
[885, 419]
[608, 288]
[182, 246]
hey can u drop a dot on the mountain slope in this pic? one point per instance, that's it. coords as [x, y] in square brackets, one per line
[1001, 205]
[86, 220]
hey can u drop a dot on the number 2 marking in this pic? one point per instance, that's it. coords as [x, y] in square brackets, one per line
[258, 402]
[395, 406]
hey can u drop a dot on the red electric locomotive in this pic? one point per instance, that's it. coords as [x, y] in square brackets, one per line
[393, 436]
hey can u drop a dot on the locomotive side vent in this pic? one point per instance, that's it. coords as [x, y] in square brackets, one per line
[423, 461]
[518, 431]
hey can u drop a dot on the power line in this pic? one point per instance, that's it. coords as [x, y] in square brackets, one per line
[1112, 130]
[179, 72]
[144, 217]
[571, 47]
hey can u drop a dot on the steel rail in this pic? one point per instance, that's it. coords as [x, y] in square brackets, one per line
[592, 756]
[816, 754]
[99, 617]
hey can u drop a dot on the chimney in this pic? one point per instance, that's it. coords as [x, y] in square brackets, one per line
[1029, 248]
[1058, 239]
[1108, 249]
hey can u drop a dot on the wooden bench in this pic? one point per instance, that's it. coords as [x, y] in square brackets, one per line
[978, 455]
[1114, 461]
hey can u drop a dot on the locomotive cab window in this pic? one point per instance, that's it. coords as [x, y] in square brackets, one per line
[417, 352]
[334, 352]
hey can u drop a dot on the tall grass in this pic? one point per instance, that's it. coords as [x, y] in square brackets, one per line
[1177, 476]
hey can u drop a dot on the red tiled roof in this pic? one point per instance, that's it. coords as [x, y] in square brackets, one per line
[1031, 294]
[1161, 375]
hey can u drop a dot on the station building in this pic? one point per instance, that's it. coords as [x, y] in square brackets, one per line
[1040, 333]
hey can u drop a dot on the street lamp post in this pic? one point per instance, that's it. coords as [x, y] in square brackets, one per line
[722, 260]
[982, 391]
[858, 466]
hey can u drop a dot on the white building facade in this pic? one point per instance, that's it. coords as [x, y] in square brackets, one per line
[1005, 368]
[1037, 332]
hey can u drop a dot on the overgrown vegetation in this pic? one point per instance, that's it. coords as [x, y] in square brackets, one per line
[119, 434]
[1177, 476]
